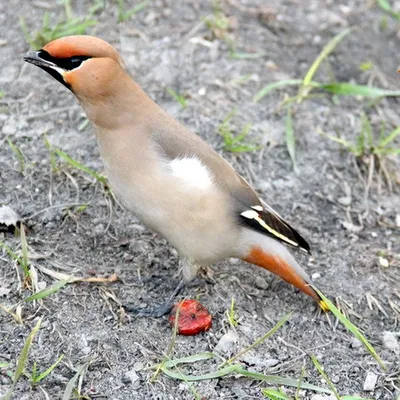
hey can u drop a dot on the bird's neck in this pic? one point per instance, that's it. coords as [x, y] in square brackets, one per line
[124, 104]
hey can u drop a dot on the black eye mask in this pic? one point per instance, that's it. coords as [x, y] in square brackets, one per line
[68, 64]
[50, 64]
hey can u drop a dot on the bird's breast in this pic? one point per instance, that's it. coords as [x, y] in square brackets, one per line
[181, 200]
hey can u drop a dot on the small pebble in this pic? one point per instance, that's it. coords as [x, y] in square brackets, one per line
[344, 201]
[383, 262]
[323, 397]
[261, 283]
[355, 343]
[390, 342]
[370, 382]
[226, 343]
[131, 378]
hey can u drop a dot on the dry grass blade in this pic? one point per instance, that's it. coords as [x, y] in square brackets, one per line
[23, 259]
[24, 249]
[351, 327]
[16, 315]
[23, 357]
[71, 278]
[72, 383]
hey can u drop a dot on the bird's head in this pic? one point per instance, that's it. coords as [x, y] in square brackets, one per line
[86, 65]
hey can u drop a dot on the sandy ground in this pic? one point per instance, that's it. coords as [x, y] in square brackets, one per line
[168, 46]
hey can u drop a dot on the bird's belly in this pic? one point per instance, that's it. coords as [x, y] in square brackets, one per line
[196, 222]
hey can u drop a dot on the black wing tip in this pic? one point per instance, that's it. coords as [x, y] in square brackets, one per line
[302, 243]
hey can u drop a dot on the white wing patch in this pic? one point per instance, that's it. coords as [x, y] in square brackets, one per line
[192, 172]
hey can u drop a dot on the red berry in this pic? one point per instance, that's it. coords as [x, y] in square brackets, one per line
[193, 317]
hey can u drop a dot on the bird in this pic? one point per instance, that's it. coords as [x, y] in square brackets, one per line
[166, 175]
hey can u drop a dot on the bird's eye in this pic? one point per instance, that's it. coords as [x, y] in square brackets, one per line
[73, 62]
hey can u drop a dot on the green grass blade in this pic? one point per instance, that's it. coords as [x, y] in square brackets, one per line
[246, 56]
[80, 166]
[352, 328]
[49, 370]
[366, 130]
[25, 352]
[55, 287]
[290, 139]
[297, 394]
[389, 152]
[278, 380]
[330, 46]
[49, 147]
[355, 398]
[274, 394]
[275, 85]
[23, 357]
[385, 6]
[11, 253]
[189, 359]
[25, 32]
[177, 97]
[239, 369]
[18, 154]
[325, 376]
[392, 136]
[234, 368]
[345, 143]
[124, 15]
[274, 329]
[350, 89]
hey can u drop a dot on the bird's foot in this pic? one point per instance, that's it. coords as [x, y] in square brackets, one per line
[158, 311]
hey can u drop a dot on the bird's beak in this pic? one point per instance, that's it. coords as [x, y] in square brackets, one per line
[40, 59]
[33, 57]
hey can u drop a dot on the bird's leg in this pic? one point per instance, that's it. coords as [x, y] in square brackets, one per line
[189, 272]
[158, 311]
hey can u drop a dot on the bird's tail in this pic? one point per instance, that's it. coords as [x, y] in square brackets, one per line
[268, 253]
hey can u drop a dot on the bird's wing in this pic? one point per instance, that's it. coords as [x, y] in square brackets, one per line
[251, 211]
[256, 214]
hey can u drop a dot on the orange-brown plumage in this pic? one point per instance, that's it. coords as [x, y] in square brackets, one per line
[280, 267]
[82, 45]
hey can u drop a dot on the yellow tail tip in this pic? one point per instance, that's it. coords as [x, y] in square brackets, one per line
[324, 306]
